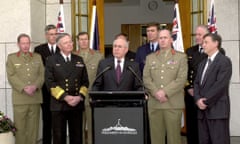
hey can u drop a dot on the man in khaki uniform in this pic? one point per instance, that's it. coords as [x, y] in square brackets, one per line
[164, 76]
[25, 74]
[91, 59]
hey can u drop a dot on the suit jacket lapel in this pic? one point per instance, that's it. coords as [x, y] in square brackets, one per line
[113, 70]
[125, 67]
[205, 76]
[212, 66]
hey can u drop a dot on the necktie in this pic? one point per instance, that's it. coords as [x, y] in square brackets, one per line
[201, 50]
[152, 47]
[67, 59]
[205, 71]
[52, 50]
[118, 71]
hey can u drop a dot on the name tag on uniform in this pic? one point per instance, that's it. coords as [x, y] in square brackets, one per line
[79, 64]
[58, 64]
[17, 65]
[172, 62]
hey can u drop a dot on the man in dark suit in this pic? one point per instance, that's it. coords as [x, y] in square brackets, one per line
[195, 56]
[66, 77]
[118, 71]
[45, 50]
[151, 46]
[211, 93]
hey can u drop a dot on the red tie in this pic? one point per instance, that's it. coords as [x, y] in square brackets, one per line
[118, 71]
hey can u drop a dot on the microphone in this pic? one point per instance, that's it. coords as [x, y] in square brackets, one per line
[102, 72]
[139, 79]
[134, 73]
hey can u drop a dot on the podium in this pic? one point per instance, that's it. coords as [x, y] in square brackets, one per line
[119, 117]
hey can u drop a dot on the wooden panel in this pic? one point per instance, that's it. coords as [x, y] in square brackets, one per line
[112, 1]
[134, 35]
[185, 10]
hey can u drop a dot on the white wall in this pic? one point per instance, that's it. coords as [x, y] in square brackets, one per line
[228, 21]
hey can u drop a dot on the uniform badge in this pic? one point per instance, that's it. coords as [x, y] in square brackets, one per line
[153, 65]
[92, 66]
[17, 65]
[79, 64]
[172, 62]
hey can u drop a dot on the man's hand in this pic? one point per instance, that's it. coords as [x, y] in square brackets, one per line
[190, 91]
[161, 96]
[73, 100]
[30, 89]
[201, 105]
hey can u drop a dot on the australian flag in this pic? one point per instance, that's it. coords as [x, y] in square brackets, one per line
[96, 35]
[212, 19]
[61, 24]
[94, 40]
[176, 30]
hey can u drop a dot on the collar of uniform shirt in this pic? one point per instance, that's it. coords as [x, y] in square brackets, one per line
[165, 51]
[65, 57]
[121, 64]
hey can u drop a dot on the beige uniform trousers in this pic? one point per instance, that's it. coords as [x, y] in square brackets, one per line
[26, 119]
[165, 122]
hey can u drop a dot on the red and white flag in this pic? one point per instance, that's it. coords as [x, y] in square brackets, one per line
[212, 19]
[61, 22]
[177, 30]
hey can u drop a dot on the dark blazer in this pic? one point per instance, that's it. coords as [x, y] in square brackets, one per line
[107, 81]
[141, 54]
[44, 51]
[70, 77]
[215, 87]
[194, 58]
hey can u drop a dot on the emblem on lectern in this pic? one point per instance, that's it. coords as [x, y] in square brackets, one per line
[119, 129]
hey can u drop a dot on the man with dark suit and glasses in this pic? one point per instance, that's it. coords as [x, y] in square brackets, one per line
[118, 71]
[45, 50]
[211, 93]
